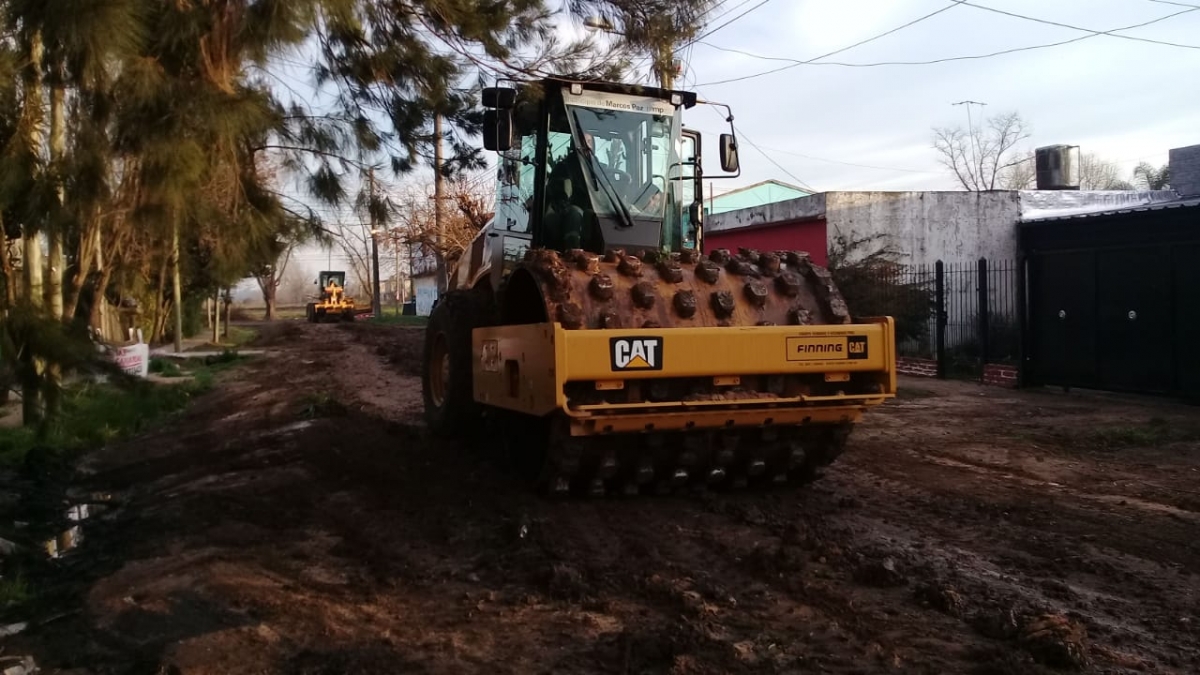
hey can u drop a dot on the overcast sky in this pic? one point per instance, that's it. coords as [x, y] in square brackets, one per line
[1123, 99]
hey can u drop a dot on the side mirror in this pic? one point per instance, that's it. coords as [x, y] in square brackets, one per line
[695, 214]
[497, 130]
[502, 98]
[729, 154]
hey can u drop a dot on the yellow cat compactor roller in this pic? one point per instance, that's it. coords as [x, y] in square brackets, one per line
[585, 334]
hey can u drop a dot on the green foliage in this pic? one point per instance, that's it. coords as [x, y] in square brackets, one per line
[176, 123]
[874, 283]
[165, 367]
[1154, 433]
[14, 592]
[96, 414]
[1004, 342]
[193, 316]
[226, 357]
[242, 336]
[31, 341]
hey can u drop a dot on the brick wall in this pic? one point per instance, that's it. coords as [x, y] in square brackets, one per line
[1000, 375]
[993, 373]
[919, 367]
[1185, 170]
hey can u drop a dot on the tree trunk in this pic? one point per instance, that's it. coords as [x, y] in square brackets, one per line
[32, 258]
[100, 302]
[10, 274]
[228, 310]
[58, 148]
[158, 330]
[54, 234]
[176, 285]
[216, 313]
[88, 241]
[31, 410]
[270, 290]
[34, 289]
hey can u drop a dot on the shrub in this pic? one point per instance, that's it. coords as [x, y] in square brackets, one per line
[874, 283]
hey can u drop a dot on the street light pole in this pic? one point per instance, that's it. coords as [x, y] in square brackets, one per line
[376, 305]
[437, 205]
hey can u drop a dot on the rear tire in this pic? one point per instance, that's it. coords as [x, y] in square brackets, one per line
[446, 367]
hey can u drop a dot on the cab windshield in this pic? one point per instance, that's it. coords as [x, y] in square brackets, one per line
[609, 181]
[630, 154]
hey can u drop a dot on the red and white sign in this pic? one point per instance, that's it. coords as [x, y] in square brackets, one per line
[133, 359]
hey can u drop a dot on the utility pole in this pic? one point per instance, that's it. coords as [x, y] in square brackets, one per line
[975, 167]
[376, 303]
[396, 255]
[176, 281]
[437, 204]
[664, 64]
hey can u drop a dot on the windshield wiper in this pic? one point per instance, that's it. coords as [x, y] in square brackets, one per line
[609, 190]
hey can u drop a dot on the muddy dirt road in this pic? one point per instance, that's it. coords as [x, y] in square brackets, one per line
[296, 520]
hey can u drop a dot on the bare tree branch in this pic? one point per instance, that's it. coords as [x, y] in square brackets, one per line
[978, 157]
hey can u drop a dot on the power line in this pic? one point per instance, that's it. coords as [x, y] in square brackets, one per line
[930, 15]
[969, 57]
[770, 159]
[717, 6]
[1110, 33]
[644, 60]
[714, 30]
[835, 161]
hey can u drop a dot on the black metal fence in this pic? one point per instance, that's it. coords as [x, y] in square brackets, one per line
[963, 315]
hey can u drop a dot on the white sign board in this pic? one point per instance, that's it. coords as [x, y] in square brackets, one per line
[133, 359]
[623, 102]
[426, 292]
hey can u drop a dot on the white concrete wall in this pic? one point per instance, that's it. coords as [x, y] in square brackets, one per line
[952, 226]
[930, 226]
[425, 290]
[811, 206]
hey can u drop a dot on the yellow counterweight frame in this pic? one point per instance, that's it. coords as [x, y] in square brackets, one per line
[526, 368]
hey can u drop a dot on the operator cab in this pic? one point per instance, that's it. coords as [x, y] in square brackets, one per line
[595, 166]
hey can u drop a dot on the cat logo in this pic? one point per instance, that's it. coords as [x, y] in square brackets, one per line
[636, 353]
[856, 346]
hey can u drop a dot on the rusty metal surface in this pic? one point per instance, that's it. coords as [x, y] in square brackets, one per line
[651, 290]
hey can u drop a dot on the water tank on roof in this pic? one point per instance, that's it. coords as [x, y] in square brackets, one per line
[1057, 167]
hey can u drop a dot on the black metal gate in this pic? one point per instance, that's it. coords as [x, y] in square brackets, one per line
[1114, 302]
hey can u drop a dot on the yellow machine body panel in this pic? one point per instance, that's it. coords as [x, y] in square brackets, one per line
[804, 374]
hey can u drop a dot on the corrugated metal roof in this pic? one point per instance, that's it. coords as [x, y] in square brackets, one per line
[1178, 204]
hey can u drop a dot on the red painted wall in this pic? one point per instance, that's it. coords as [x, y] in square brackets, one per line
[806, 235]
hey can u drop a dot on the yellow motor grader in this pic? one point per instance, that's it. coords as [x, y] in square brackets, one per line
[585, 332]
[332, 303]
